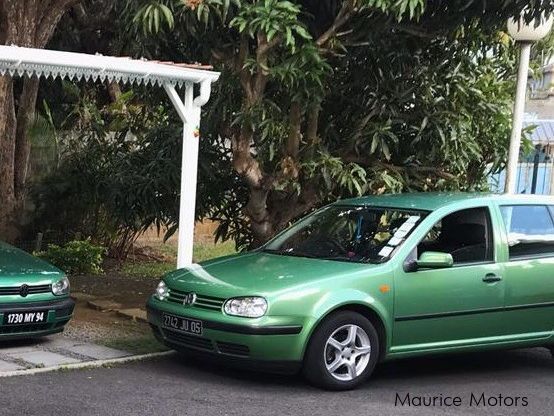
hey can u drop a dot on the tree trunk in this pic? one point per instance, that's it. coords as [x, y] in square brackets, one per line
[25, 115]
[7, 153]
[29, 23]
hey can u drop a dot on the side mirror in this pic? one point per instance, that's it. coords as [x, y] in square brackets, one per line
[434, 260]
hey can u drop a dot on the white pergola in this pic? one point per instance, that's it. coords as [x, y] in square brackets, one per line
[19, 61]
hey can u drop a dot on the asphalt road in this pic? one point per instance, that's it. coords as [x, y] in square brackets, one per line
[174, 386]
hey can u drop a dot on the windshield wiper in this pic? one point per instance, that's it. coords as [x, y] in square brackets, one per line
[290, 253]
[375, 261]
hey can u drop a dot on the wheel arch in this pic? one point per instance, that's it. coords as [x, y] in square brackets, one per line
[366, 311]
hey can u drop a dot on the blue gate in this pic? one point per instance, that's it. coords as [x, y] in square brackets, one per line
[525, 175]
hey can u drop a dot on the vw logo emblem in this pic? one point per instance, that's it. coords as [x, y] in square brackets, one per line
[23, 291]
[189, 299]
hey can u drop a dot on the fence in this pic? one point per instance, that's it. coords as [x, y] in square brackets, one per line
[41, 241]
[535, 174]
[532, 178]
[151, 239]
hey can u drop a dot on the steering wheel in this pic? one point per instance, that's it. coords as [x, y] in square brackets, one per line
[336, 244]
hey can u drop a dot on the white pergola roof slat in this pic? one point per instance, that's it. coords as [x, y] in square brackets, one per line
[15, 60]
[19, 61]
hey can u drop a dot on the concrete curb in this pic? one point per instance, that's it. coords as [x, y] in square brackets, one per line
[86, 364]
[103, 305]
[134, 314]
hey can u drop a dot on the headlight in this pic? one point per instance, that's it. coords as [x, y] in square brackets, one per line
[61, 287]
[162, 292]
[248, 307]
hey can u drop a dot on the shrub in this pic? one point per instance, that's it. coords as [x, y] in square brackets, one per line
[75, 257]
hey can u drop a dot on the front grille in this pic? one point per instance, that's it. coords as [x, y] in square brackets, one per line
[202, 301]
[188, 340]
[233, 349]
[20, 329]
[32, 290]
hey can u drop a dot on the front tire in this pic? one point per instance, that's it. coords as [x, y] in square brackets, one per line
[342, 352]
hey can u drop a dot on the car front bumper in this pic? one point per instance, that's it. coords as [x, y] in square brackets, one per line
[271, 344]
[59, 313]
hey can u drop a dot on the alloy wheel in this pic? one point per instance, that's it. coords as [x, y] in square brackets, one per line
[347, 352]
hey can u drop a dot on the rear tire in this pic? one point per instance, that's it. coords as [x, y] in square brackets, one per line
[342, 352]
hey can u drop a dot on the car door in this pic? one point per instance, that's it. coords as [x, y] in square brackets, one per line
[529, 269]
[437, 308]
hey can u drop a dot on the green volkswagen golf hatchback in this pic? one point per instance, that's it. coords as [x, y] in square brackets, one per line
[34, 296]
[372, 279]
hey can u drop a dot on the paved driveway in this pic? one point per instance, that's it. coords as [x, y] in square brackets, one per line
[51, 352]
[173, 386]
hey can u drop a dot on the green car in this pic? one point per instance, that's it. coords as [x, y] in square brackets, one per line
[34, 296]
[372, 279]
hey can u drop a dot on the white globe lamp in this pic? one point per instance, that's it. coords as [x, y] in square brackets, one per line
[533, 31]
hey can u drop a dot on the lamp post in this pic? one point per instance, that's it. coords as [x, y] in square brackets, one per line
[525, 33]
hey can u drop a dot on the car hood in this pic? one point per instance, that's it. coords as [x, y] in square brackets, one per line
[257, 273]
[15, 262]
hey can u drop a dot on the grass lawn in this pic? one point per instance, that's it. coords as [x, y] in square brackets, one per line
[143, 344]
[207, 251]
[130, 284]
[156, 269]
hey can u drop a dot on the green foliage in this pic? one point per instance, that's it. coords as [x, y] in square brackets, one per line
[75, 257]
[152, 15]
[428, 122]
[119, 174]
[272, 18]
[156, 269]
[399, 8]
[394, 96]
[410, 95]
[91, 192]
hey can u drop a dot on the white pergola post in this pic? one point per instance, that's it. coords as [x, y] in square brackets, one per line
[190, 112]
[19, 61]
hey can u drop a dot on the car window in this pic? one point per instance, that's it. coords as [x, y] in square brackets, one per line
[530, 230]
[347, 233]
[466, 235]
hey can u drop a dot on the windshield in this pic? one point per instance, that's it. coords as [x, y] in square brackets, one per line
[352, 234]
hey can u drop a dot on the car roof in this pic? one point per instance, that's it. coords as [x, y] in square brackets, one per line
[430, 201]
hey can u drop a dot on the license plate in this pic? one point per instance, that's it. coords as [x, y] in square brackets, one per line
[23, 318]
[190, 326]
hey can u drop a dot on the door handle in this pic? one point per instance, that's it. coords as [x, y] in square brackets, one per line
[492, 278]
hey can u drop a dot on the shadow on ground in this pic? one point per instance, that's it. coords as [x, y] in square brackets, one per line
[424, 370]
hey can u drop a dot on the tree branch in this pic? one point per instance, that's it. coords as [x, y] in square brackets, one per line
[265, 46]
[295, 123]
[11, 23]
[346, 11]
[416, 31]
[48, 21]
[418, 169]
[400, 169]
[293, 206]
[3, 23]
[262, 52]
[25, 114]
[96, 17]
[313, 125]
[245, 76]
